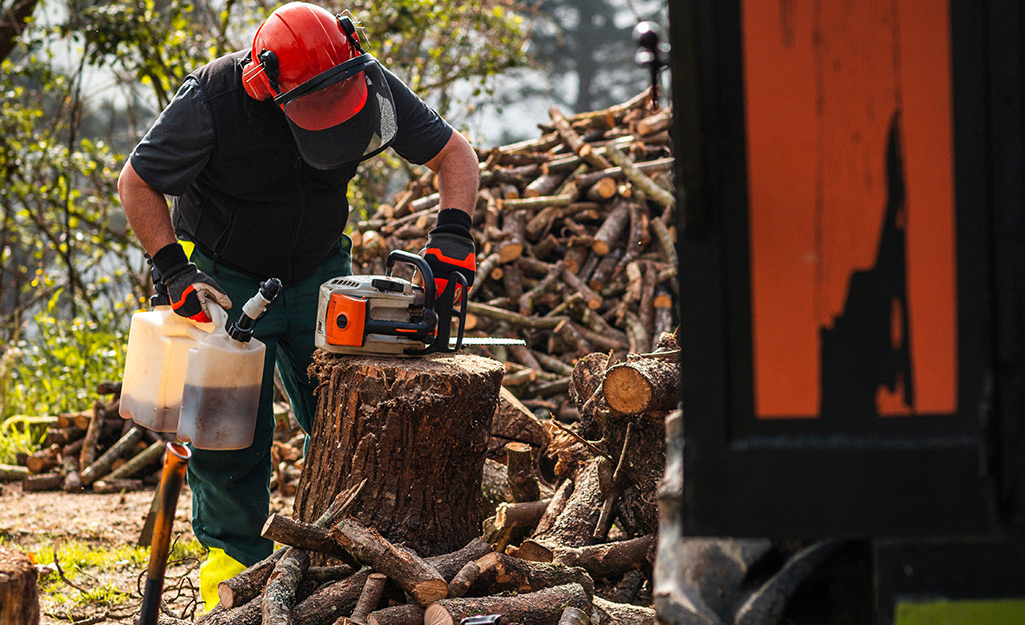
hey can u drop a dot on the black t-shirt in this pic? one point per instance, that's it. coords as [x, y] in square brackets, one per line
[242, 192]
[176, 148]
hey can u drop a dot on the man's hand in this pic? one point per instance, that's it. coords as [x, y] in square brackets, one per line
[450, 248]
[188, 287]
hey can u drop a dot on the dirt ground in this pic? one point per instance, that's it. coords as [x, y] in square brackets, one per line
[36, 522]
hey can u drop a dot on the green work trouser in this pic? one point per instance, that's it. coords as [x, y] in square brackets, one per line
[231, 489]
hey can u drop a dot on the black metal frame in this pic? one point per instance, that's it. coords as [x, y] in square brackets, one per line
[934, 475]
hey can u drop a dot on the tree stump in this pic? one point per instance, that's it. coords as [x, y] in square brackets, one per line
[19, 595]
[417, 430]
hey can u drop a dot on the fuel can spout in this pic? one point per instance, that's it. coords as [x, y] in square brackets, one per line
[176, 460]
[256, 307]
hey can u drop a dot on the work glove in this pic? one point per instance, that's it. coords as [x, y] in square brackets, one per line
[450, 248]
[188, 287]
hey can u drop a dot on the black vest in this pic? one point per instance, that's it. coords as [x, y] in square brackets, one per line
[256, 206]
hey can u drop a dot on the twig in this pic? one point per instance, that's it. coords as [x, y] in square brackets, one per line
[60, 571]
[586, 443]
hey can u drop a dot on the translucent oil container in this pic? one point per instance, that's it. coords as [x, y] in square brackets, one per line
[159, 341]
[221, 391]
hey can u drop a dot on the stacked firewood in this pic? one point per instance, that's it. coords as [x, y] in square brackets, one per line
[93, 449]
[575, 243]
[96, 450]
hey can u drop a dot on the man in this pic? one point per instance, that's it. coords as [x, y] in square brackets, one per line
[257, 149]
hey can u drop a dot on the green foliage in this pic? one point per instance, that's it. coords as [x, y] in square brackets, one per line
[15, 440]
[57, 370]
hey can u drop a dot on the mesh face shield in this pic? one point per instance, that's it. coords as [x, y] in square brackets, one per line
[342, 115]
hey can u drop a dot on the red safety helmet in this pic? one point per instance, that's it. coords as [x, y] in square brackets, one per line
[334, 94]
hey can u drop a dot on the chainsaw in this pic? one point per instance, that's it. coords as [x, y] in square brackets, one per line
[384, 314]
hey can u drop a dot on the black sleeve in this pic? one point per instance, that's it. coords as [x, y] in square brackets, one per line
[421, 131]
[179, 144]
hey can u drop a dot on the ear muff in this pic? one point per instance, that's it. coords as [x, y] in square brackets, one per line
[349, 28]
[260, 76]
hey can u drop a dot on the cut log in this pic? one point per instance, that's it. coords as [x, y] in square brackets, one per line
[279, 595]
[12, 472]
[607, 559]
[574, 525]
[499, 573]
[610, 613]
[543, 607]
[369, 597]
[92, 436]
[417, 431]
[522, 480]
[463, 579]
[243, 587]
[307, 536]
[42, 482]
[643, 384]
[103, 464]
[405, 614]
[422, 581]
[19, 593]
[329, 602]
[514, 422]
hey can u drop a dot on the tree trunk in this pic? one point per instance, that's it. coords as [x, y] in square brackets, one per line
[417, 430]
[19, 595]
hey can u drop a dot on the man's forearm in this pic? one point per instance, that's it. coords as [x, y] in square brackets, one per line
[146, 210]
[458, 174]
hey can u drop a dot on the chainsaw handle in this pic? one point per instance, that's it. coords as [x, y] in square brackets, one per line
[420, 263]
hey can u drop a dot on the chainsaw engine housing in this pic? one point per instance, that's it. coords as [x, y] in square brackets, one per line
[372, 315]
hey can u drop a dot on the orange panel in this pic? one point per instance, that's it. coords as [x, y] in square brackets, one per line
[850, 173]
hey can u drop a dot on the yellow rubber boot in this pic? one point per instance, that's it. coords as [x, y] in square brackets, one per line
[217, 567]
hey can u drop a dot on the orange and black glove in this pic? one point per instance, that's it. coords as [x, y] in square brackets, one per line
[187, 286]
[450, 249]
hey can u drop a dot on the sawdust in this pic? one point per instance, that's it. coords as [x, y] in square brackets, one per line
[35, 522]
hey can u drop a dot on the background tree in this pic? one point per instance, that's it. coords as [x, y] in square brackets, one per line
[586, 47]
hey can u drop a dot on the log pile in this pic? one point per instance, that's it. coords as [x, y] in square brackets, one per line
[577, 547]
[96, 450]
[575, 237]
[91, 450]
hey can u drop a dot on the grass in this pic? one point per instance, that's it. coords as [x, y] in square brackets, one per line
[87, 568]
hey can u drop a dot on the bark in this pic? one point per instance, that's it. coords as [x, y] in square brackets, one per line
[543, 607]
[522, 480]
[499, 573]
[306, 536]
[329, 602]
[404, 567]
[611, 613]
[369, 597]
[103, 464]
[574, 524]
[12, 472]
[416, 430]
[19, 594]
[279, 595]
[607, 559]
[406, 614]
